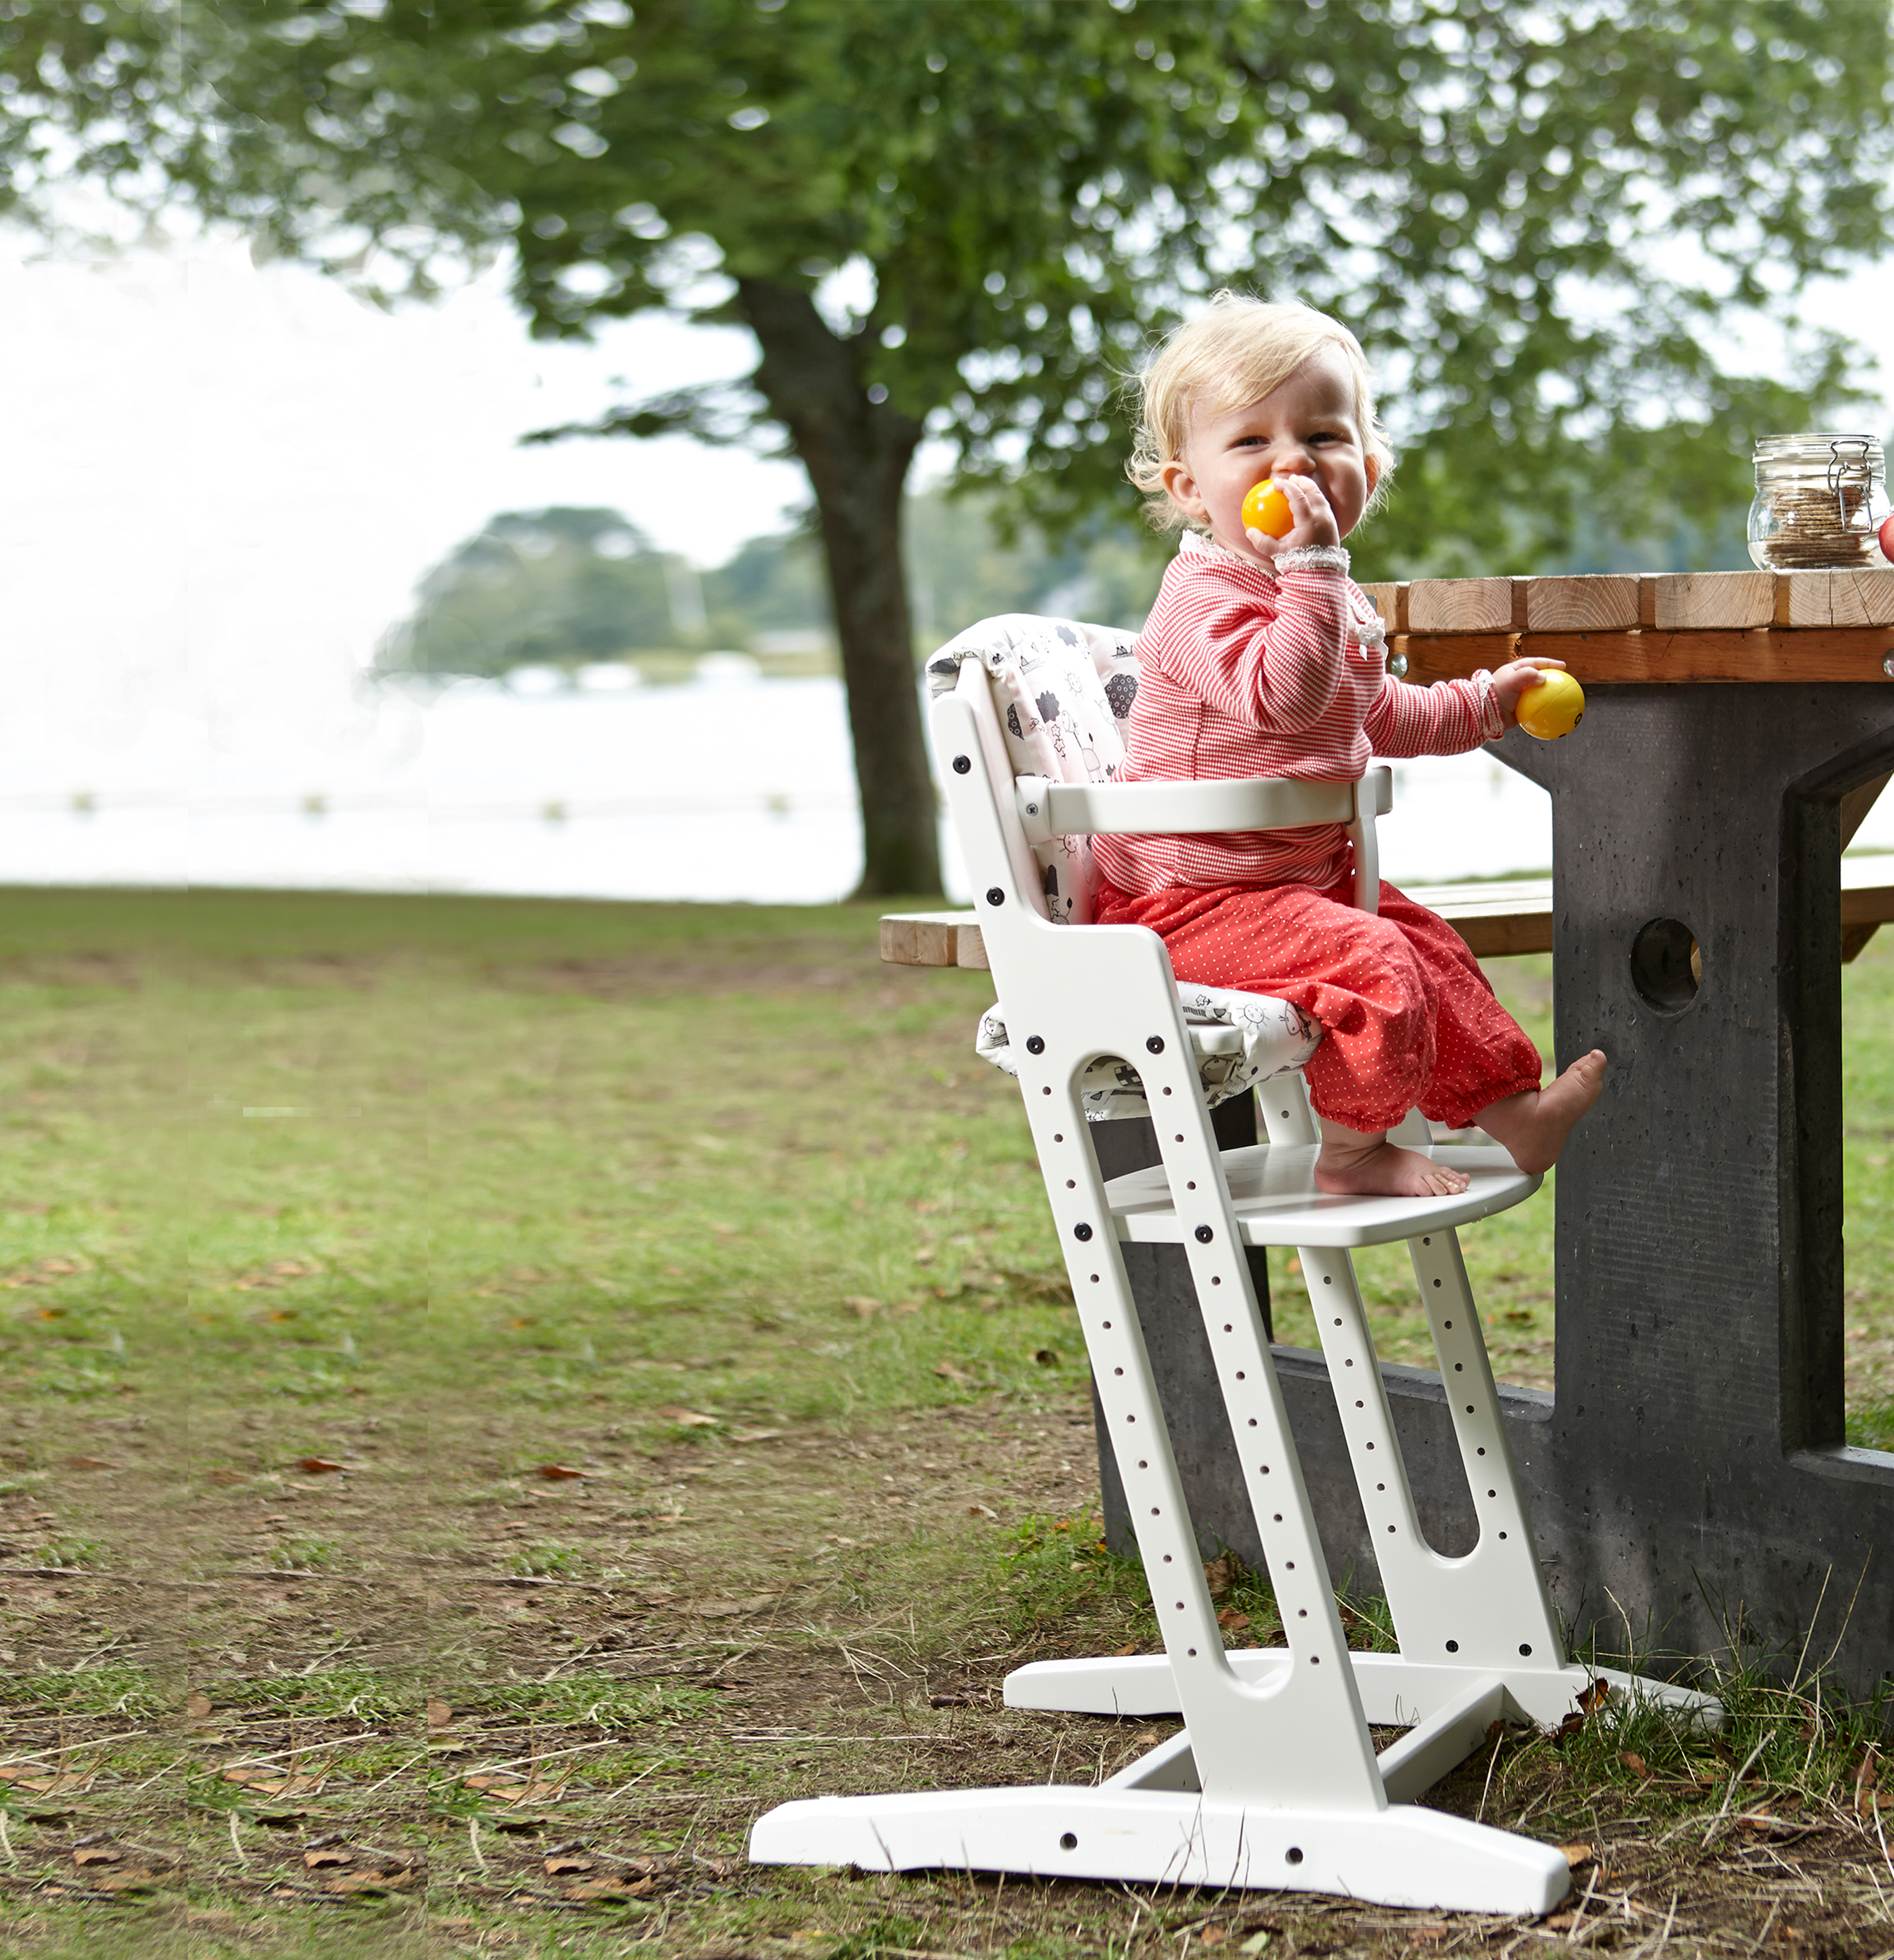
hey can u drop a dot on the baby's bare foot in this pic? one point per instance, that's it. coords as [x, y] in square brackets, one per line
[1372, 1167]
[1533, 1126]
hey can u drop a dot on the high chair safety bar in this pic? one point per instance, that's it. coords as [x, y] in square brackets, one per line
[1275, 1782]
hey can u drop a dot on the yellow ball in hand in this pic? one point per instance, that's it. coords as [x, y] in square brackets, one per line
[1553, 708]
[1265, 509]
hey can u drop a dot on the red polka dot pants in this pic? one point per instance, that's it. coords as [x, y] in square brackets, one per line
[1409, 1019]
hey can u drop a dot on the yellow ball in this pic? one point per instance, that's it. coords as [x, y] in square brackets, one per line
[1265, 509]
[1553, 708]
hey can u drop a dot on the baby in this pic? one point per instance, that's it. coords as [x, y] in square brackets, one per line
[1261, 657]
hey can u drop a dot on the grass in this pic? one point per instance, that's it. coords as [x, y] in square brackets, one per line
[509, 1374]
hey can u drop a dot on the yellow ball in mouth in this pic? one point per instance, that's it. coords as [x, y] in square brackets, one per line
[1265, 509]
[1553, 708]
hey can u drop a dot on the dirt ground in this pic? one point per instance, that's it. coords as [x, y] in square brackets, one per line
[758, 1639]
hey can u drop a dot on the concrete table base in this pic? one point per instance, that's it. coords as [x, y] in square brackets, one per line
[1691, 1463]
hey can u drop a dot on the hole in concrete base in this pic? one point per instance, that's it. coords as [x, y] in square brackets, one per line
[1666, 966]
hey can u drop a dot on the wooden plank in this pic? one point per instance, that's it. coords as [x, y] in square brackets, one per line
[1603, 604]
[1462, 605]
[922, 939]
[1388, 597]
[1685, 601]
[1816, 599]
[1768, 653]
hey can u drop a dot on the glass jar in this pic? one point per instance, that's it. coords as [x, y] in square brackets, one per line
[1820, 500]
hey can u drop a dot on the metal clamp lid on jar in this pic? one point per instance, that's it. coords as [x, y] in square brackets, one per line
[1845, 462]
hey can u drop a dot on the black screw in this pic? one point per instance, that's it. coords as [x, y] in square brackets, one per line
[1068, 1842]
[1453, 1646]
[1035, 1044]
[1081, 1232]
[1205, 1234]
[1156, 1043]
[995, 896]
[961, 764]
[1525, 1647]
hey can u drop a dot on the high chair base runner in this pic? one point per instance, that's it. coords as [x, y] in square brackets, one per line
[1275, 1782]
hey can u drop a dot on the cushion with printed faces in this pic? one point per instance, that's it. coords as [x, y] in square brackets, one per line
[1064, 691]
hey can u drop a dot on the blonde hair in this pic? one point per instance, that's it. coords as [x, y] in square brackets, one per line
[1234, 352]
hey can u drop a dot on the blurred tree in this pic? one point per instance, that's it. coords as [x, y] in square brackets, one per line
[964, 220]
[561, 587]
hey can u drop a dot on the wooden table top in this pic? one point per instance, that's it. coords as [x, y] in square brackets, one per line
[1667, 627]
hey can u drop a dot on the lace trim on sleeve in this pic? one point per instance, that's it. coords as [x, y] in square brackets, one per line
[1313, 557]
[1492, 721]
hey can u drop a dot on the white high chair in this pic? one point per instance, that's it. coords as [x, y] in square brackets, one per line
[1275, 1782]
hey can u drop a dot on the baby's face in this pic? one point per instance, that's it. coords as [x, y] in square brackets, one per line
[1306, 429]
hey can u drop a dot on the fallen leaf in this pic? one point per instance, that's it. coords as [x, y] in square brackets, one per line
[1576, 1855]
[1230, 1617]
[1255, 1943]
[756, 1435]
[513, 1789]
[949, 1700]
[593, 1889]
[727, 1609]
[328, 1858]
[227, 1477]
[264, 1782]
[1129, 1647]
[982, 1511]
[96, 1854]
[690, 1418]
[559, 1473]
[318, 1466]
[1560, 1922]
[560, 1865]
[439, 1714]
[346, 1883]
[1213, 1936]
[89, 1463]
[950, 1371]
[129, 1877]
[1222, 1573]
[41, 1782]
[197, 1704]
[862, 1304]
[1633, 1762]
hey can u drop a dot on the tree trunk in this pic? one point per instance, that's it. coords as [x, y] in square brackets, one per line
[856, 454]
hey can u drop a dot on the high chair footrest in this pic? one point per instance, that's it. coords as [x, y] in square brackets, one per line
[1273, 1188]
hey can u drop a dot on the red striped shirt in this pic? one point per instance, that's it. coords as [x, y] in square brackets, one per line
[1242, 672]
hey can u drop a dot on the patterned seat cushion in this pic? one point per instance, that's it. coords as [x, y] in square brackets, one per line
[1064, 691]
[1238, 1040]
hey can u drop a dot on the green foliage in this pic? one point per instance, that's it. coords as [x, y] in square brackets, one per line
[1024, 193]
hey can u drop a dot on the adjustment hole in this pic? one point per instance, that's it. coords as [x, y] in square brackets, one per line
[1525, 1649]
[1294, 1854]
[1453, 1646]
[1666, 965]
[1068, 1842]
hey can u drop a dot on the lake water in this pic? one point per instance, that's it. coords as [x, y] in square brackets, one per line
[731, 788]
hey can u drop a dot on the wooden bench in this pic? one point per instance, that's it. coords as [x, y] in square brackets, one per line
[1507, 916]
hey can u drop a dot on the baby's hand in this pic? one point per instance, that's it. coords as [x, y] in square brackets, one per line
[1314, 521]
[1514, 680]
